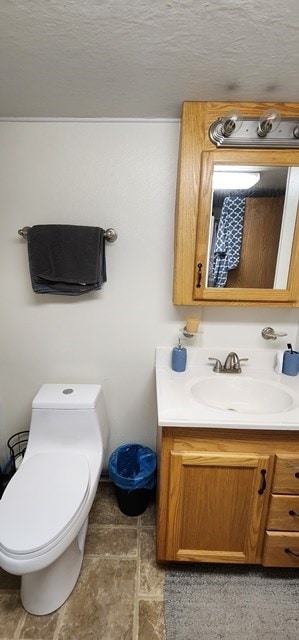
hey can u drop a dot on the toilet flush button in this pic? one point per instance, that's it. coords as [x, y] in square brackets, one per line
[67, 391]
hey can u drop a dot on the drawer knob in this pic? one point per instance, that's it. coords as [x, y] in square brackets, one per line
[293, 513]
[292, 553]
[297, 474]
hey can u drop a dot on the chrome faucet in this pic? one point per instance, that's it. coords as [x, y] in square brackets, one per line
[231, 364]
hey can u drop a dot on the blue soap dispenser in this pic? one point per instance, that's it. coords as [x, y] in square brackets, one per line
[179, 358]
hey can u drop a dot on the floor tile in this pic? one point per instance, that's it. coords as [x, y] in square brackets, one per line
[148, 518]
[151, 620]
[39, 627]
[105, 509]
[151, 575]
[102, 605]
[111, 541]
[11, 612]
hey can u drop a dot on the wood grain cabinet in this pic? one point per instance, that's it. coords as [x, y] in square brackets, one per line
[216, 500]
[265, 271]
[282, 535]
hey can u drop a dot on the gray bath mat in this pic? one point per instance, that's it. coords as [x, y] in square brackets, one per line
[231, 602]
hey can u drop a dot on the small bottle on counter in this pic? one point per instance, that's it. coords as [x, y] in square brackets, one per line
[179, 358]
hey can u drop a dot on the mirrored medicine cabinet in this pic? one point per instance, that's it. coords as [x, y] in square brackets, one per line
[237, 230]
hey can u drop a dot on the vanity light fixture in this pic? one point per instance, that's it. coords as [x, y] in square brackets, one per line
[234, 179]
[269, 131]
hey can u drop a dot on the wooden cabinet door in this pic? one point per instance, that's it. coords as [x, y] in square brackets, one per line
[194, 220]
[216, 503]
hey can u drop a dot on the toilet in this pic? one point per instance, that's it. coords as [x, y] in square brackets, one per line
[44, 509]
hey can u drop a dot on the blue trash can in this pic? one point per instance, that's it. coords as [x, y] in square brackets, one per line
[132, 469]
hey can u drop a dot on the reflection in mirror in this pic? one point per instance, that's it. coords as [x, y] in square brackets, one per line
[253, 215]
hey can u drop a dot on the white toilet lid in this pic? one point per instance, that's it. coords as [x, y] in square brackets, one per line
[41, 500]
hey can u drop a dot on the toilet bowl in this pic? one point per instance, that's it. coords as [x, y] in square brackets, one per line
[44, 509]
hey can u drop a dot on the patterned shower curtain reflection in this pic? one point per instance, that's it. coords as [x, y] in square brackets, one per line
[228, 240]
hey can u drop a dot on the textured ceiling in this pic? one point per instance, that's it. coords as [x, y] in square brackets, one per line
[143, 58]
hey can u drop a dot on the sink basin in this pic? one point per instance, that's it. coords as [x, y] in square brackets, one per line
[231, 392]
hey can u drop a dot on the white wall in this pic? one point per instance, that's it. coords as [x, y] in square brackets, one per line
[118, 174]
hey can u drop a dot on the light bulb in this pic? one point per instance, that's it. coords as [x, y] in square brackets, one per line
[269, 121]
[230, 123]
[296, 131]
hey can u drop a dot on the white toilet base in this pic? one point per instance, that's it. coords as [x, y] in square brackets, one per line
[46, 590]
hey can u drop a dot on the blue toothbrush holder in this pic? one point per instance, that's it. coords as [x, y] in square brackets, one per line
[290, 365]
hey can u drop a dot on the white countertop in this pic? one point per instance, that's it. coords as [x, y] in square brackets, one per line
[177, 408]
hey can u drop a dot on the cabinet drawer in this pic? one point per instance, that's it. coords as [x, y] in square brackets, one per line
[283, 513]
[286, 476]
[281, 549]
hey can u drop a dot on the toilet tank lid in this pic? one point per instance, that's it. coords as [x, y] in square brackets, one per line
[67, 396]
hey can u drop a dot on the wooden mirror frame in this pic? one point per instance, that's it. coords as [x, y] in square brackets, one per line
[194, 201]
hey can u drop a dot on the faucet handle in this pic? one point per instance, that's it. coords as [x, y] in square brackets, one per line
[237, 366]
[217, 366]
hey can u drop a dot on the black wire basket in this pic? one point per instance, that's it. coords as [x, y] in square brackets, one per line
[17, 446]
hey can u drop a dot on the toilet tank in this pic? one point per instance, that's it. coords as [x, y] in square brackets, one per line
[71, 416]
[67, 396]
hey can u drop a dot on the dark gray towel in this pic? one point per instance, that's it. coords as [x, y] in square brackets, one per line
[66, 259]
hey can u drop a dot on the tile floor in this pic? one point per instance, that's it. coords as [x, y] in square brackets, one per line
[119, 594]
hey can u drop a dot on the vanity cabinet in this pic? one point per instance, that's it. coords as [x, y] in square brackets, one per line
[218, 495]
[265, 271]
[282, 534]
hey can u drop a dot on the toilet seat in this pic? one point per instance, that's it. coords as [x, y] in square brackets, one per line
[41, 502]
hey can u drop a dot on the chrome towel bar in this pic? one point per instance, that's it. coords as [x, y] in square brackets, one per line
[110, 234]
